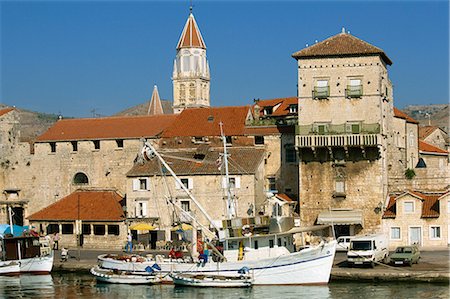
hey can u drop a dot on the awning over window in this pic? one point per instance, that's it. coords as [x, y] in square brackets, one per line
[340, 217]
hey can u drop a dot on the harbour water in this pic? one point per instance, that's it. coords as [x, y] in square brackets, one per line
[75, 285]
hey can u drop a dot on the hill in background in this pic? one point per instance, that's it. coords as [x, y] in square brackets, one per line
[434, 115]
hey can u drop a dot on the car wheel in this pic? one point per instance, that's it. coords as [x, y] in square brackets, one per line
[372, 265]
[410, 263]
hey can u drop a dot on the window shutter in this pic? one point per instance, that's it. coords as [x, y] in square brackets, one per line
[135, 184]
[177, 185]
[224, 182]
[144, 208]
[238, 182]
[147, 184]
[190, 183]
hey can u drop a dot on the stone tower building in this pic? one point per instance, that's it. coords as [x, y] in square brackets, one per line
[345, 123]
[191, 77]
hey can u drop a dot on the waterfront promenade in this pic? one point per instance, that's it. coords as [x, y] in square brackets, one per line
[433, 267]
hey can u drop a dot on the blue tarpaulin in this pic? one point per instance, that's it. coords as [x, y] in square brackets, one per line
[17, 229]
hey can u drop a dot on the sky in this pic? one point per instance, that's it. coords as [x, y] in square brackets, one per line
[73, 57]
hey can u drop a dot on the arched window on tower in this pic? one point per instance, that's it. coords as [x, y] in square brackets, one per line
[80, 179]
[182, 92]
[192, 91]
[411, 138]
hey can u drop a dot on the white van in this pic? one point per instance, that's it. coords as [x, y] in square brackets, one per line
[343, 243]
[368, 249]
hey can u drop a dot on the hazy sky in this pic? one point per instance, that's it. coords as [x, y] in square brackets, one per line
[70, 57]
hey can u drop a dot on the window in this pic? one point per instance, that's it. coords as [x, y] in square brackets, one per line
[234, 182]
[259, 139]
[53, 147]
[268, 110]
[291, 155]
[141, 184]
[320, 128]
[256, 245]
[321, 90]
[277, 210]
[272, 184]
[279, 242]
[86, 229]
[141, 209]
[354, 88]
[270, 243]
[80, 179]
[340, 186]
[192, 91]
[96, 144]
[185, 205]
[293, 108]
[395, 233]
[67, 229]
[411, 138]
[228, 140]
[182, 91]
[408, 207]
[99, 229]
[435, 232]
[74, 146]
[52, 228]
[187, 183]
[119, 143]
[113, 230]
[353, 127]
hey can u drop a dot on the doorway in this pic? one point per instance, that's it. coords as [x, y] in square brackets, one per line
[415, 236]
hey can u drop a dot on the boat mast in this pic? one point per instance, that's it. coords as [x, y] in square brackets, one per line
[148, 151]
[231, 213]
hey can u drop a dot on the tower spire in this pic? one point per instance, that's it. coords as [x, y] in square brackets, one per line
[155, 106]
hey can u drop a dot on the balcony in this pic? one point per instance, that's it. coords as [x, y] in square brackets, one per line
[343, 135]
[354, 91]
[321, 92]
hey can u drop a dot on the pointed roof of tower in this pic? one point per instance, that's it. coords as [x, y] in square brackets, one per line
[191, 36]
[155, 106]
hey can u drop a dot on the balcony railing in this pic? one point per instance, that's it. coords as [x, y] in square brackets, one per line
[321, 92]
[332, 129]
[350, 140]
[354, 91]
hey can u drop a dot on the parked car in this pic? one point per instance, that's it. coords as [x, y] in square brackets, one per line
[343, 243]
[405, 255]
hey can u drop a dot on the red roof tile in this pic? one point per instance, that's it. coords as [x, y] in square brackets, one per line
[428, 148]
[284, 197]
[430, 204]
[92, 206]
[400, 114]
[196, 122]
[342, 44]
[282, 109]
[5, 111]
[107, 128]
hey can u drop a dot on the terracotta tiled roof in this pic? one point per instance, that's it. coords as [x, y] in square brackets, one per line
[93, 206]
[241, 161]
[6, 110]
[282, 109]
[342, 45]
[191, 36]
[197, 122]
[391, 208]
[107, 128]
[428, 148]
[284, 197]
[400, 114]
[430, 204]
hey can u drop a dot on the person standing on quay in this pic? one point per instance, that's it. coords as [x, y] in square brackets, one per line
[55, 241]
[129, 246]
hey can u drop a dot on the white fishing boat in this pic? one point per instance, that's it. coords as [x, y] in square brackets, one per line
[25, 254]
[124, 277]
[211, 280]
[268, 251]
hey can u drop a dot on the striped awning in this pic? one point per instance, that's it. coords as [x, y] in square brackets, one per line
[340, 217]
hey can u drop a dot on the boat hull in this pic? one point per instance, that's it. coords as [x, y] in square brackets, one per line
[9, 268]
[108, 276]
[37, 265]
[308, 266]
[211, 281]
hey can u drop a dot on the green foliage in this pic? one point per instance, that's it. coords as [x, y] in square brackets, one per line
[410, 173]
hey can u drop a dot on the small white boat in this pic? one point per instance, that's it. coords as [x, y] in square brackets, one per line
[211, 280]
[126, 277]
[9, 268]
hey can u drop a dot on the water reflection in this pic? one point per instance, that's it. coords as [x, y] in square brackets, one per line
[72, 285]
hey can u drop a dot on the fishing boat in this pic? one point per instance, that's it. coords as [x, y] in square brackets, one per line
[24, 252]
[268, 250]
[211, 280]
[124, 277]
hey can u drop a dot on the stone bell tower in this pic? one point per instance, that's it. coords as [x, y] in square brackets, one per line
[190, 77]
